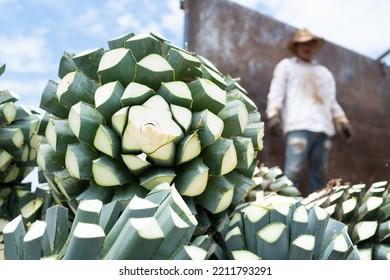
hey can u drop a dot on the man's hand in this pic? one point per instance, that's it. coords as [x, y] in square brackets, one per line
[275, 126]
[347, 131]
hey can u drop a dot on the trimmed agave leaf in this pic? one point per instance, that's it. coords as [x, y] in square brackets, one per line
[88, 62]
[136, 94]
[110, 172]
[302, 247]
[76, 87]
[142, 45]
[119, 42]
[186, 66]
[220, 157]
[138, 240]
[191, 179]
[207, 95]
[33, 241]
[108, 99]
[272, 242]
[117, 65]
[176, 93]
[13, 234]
[86, 242]
[218, 194]
[152, 70]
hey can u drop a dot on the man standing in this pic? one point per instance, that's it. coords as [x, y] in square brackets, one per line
[302, 104]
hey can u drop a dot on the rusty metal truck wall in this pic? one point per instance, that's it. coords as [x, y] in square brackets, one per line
[246, 44]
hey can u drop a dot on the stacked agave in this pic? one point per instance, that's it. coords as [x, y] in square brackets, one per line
[161, 226]
[145, 112]
[18, 149]
[366, 210]
[272, 180]
[278, 228]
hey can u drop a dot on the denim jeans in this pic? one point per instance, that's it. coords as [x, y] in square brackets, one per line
[302, 145]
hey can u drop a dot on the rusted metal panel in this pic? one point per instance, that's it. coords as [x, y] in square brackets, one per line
[247, 44]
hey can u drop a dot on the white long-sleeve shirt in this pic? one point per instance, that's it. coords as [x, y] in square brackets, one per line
[305, 95]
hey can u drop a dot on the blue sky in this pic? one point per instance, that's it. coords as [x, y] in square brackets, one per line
[35, 33]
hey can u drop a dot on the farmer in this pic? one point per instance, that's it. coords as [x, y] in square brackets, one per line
[302, 105]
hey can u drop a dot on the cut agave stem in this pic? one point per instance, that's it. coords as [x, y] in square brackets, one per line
[34, 241]
[156, 176]
[119, 42]
[136, 94]
[175, 231]
[382, 252]
[218, 194]
[213, 76]
[208, 125]
[242, 186]
[7, 113]
[78, 160]
[138, 240]
[191, 179]
[302, 247]
[255, 131]
[152, 70]
[207, 95]
[137, 164]
[256, 218]
[235, 118]
[245, 151]
[142, 45]
[182, 116]
[76, 87]
[188, 148]
[189, 252]
[338, 249]
[186, 66]
[86, 242]
[318, 221]
[220, 157]
[13, 234]
[176, 93]
[67, 65]
[300, 223]
[48, 159]
[244, 255]
[49, 101]
[57, 227]
[136, 208]
[88, 62]
[84, 121]
[59, 135]
[107, 141]
[234, 240]
[108, 99]
[108, 172]
[109, 215]
[272, 242]
[364, 231]
[117, 65]
[11, 139]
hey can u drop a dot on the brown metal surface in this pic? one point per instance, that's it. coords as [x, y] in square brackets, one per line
[248, 45]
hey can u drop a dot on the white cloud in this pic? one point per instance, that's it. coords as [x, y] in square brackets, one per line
[29, 90]
[173, 21]
[91, 22]
[24, 54]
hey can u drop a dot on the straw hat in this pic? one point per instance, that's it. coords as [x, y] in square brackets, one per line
[304, 35]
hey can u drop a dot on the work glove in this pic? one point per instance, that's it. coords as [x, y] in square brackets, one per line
[345, 129]
[275, 126]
